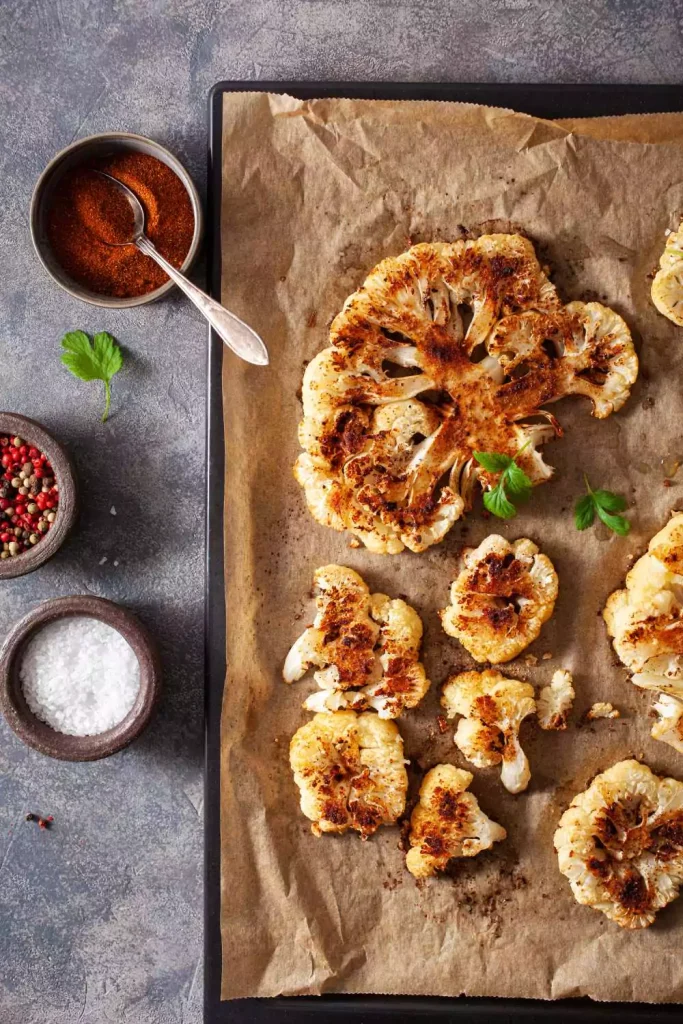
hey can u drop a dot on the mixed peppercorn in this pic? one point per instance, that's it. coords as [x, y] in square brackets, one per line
[29, 496]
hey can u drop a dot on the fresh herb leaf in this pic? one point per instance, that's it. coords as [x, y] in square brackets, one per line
[605, 504]
[618, 524]
[513, 483]
[496, 502]
[493, 462]
[584, 512]
[609, 501]
[518, 483]
[100, 360]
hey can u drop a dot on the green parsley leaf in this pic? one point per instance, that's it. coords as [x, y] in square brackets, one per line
[496, 502]
[618, 524]
[609, 501]
[584, 512]
[493, 462]
[513, 483]
[605, 503]
[100, 360]
[517, 483]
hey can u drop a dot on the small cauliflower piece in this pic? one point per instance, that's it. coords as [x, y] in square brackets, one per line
[493, 709]
[555, 701]
[669, 724]
[645, 620]
[447, 822]
[603, 709]
[620, 844]
[667, 286]
[500, 599]
[366, 648]
[350, 771]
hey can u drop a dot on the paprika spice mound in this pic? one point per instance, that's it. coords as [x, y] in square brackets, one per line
[88, 219]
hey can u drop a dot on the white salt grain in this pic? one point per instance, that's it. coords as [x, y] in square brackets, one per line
[79, 675]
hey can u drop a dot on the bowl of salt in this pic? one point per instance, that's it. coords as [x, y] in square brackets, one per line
[79, 678]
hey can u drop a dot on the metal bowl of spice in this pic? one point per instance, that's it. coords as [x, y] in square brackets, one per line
[38, 499]
[79, 678]
[74, 219]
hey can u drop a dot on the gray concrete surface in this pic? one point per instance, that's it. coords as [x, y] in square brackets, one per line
[101, 919]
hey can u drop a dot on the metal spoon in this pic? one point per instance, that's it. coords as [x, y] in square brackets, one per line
[237, 335]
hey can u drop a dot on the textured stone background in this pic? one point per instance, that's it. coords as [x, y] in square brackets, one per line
[101, 919]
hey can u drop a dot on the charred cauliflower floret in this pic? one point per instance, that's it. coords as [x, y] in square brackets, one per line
[500, 599]
[555, 701]
[667, 287]
[365, 646]
[447, 822]
[602, 709]
[620, 844]
[350, 771]
[645, 620]
[395, 408]
[493, 709]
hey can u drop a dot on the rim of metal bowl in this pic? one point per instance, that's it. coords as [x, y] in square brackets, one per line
[72, 287]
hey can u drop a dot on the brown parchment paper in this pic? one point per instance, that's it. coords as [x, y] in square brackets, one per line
[314, 194]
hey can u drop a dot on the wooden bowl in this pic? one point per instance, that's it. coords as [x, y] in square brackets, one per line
[37, 436]
[38, 734]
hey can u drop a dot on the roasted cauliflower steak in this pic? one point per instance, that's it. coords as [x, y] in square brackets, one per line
[500, 599]
[366, 648]
[447, 822]
[645, 621]
[620, 844]
[667, 286]
[350, 771]
[493, 709]
[395, 408]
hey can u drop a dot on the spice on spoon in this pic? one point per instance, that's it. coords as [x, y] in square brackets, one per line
[88, 219]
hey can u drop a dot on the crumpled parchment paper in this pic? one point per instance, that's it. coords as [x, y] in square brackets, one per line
[314, 195]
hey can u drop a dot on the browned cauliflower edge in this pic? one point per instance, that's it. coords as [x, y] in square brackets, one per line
[645, 621]
[395, 408]
[500, 599]
[667, 286]
[447, 822]
[620, 844]
[350, 771]
[366, 648]
[493, 709]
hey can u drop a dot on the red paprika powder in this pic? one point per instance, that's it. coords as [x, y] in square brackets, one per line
[88, 216]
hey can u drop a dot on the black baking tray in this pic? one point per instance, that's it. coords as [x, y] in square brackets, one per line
[550, 101]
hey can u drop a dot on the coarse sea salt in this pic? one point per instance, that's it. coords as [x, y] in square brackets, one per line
[79, 675]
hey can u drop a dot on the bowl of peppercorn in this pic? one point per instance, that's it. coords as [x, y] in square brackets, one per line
[80, 228]
[38, 500]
